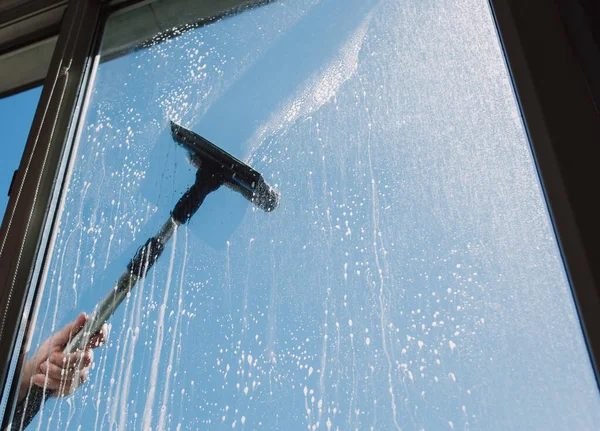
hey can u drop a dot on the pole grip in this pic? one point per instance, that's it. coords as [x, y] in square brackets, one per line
[206, 182]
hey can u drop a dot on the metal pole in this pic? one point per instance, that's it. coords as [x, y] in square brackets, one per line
[146, 256]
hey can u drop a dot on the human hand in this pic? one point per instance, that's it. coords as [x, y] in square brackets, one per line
[59, 373]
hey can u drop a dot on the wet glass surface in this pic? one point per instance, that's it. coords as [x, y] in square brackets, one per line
[410, 278]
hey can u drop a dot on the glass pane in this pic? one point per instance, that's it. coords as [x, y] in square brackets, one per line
[410, 278]
[16, 116]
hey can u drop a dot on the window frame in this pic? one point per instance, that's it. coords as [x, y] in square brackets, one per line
[557, 110]
[563, 126]
[32, 207]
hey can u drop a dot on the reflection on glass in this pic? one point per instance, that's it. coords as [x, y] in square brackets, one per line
[410, 278]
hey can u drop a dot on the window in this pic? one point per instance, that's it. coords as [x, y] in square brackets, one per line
[16, 115]
[410, 278]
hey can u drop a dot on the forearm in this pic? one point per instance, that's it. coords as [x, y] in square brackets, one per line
[27, 408]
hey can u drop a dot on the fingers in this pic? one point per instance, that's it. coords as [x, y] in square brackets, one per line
[61, 366]
[62, 386]
[63, 373]
[54, 372]
[78, 359]
[62, 337]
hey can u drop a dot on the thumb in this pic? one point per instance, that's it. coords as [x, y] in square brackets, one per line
[62, 337]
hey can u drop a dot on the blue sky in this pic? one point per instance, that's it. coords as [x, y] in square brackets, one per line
[410, 278]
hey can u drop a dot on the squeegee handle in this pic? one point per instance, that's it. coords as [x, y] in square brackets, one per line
[137, 268]
[145, 257]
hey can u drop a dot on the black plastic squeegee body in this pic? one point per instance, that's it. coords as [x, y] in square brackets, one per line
[236, 174]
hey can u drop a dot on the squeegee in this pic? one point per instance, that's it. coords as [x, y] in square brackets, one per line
[216, 168]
